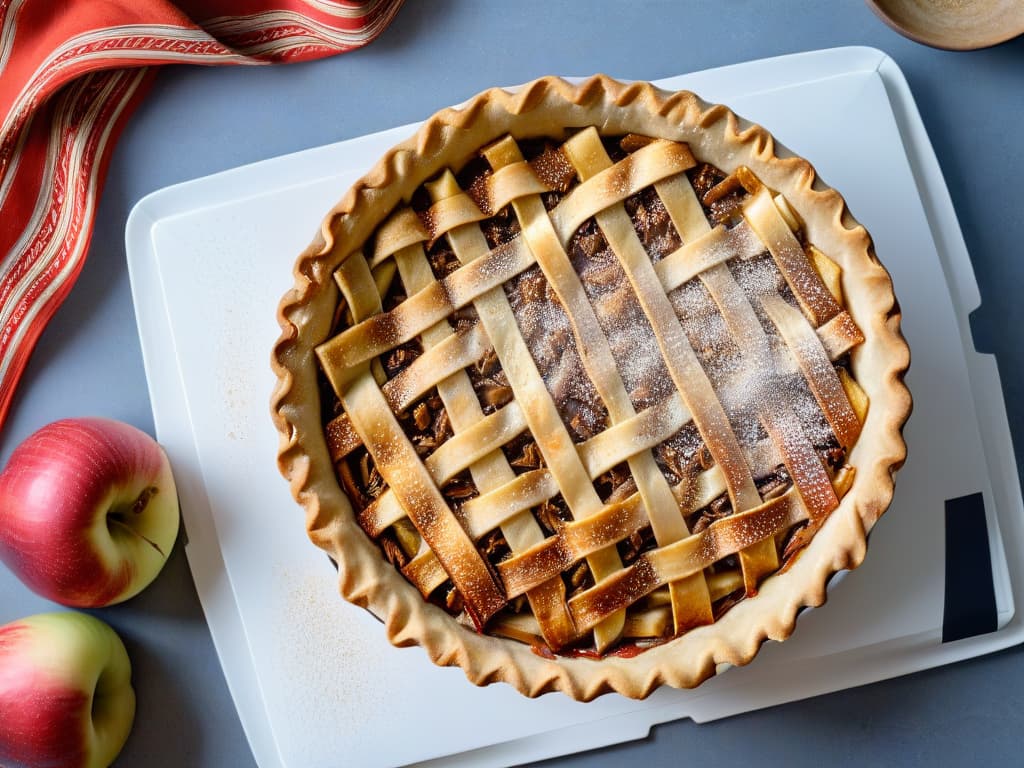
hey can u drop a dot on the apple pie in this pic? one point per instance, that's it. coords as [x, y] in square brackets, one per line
[590, 387]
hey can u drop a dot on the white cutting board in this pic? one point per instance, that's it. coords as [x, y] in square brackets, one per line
[313, 678]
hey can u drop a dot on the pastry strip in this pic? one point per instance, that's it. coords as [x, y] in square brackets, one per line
[358, 288]
[764, 218]
[489, 510]
[426, 572]
[534, 487]
[576, 541]
[640, 432]
[714, 247]
[511, 182]
[611, 184]
[472, 443]
[455, 211]
[400, 230]
[599, 454]
[803, 463]
[839, 335]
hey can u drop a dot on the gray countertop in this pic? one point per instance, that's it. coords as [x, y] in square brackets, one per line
[199, 121]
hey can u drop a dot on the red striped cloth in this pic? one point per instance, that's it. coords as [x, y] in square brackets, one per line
[71, 72]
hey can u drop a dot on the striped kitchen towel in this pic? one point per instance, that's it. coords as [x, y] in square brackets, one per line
[71, 73]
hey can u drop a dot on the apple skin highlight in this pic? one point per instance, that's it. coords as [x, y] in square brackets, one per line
[88, 511]
[66, 699]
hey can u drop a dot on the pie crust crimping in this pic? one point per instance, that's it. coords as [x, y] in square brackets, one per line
[590, 388]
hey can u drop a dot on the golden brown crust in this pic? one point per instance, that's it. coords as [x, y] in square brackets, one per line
[715, 135]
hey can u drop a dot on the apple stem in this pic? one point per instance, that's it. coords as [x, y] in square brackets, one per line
[140, 503]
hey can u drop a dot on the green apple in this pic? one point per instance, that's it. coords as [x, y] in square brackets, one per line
[66, 697]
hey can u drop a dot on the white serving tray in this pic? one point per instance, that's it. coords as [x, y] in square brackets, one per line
[314, 680]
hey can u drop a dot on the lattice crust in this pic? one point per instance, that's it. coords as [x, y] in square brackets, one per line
[590, 391]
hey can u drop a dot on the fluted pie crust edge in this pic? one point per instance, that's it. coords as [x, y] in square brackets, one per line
[546, 107]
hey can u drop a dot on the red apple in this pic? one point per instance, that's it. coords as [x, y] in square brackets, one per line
[88, 511]
[66, 698]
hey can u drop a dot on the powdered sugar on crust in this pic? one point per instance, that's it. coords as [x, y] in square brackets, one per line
[742, 371]
[629, 333]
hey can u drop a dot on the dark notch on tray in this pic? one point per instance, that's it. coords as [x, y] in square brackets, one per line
[970, 606]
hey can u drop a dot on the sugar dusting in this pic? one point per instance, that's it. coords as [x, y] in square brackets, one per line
[232, 385]
[743, 385]
[335, 664]
[630, 336]
[742, 371]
